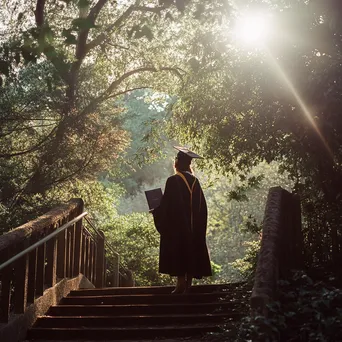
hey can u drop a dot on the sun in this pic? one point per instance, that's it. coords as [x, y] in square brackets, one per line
[252, 29]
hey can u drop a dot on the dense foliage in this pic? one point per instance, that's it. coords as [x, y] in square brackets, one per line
[307, 310]
[277, 102]
[64, 65]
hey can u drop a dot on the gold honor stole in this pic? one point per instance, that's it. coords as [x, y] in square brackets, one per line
[191, 190]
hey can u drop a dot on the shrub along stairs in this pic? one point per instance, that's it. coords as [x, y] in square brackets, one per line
[143, 313]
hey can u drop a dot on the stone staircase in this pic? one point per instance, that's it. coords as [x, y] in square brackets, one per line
[141, 313]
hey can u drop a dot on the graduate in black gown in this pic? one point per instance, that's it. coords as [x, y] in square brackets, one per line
[181, 220]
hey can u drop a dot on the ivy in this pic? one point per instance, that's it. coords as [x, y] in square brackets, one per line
[307, 310]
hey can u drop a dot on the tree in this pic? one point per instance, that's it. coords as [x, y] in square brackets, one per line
[64, 65]
[278, 104]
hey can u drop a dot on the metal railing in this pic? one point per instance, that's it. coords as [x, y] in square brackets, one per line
[41, 242]
[57, 245]
[117, 273]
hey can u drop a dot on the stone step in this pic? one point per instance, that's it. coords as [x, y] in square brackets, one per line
[143, 309]
[143, 313]
[134, 320]
[121, 333]
[157, 289]
[135, 340]
[148, 298]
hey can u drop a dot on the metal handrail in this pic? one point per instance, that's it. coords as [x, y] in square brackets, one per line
[98, 233]
[90, 234]
[92, 226]
[123, 270]
[107, 245]
[42, 241]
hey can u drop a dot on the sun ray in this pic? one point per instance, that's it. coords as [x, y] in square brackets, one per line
[251, 29]
[281, 73]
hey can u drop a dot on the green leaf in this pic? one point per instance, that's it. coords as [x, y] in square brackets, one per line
[4, 67]
[134, 29]
[200, 8]
[34, 31]
[168, 15]
[70, 39]
[180, 4]
[166, 3]
[48, 34]
[49, 84]
[83, 3]
[83, 23]
[28, 55]
[66, 32]
[144, 31]
[17, 57]
[194, 64]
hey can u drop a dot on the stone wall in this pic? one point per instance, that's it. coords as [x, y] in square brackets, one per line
[15, 330]
[281, 246]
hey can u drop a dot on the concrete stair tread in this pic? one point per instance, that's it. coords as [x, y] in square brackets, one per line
[144, 308]
[158, 295]
[137, 320]
[162, 289]
[95, 306]
[123, 333]
[136, 327]
[148, 299]
[138, 316]
[143, 314]
[183, 339]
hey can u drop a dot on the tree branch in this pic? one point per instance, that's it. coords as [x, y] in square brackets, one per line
[125, 92]
[108, 92]
[32, 149]
[81, 50]
[88, 159]
[39, 13]
[100, 38]
[117, 82]
[157, 10]
[9, 132]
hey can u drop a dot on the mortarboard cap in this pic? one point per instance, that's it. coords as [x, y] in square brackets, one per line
[185, 152]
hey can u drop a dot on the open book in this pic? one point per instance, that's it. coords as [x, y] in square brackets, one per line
[153, 197]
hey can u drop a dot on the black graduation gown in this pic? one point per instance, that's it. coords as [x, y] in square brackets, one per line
[183, 246]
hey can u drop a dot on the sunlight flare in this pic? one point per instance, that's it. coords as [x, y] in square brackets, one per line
[281, 73]
[252, 29]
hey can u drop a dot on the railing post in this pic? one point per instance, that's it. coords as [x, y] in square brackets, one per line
[94, 262]
[100, 260]
[61, 255]
[86, 259]
[130, 278]
[32, 275]
[78, 242]
[51, 258]
[68, 253]
[21, 280]
[40, 270]
[116, 271]
[91, 260]
[105, 269]
[83, 253]
[6, 277]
